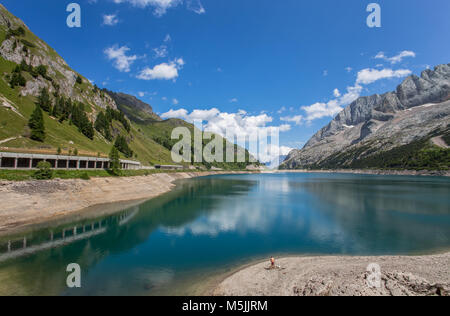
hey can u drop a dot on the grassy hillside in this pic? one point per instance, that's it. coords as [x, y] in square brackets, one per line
[37, 67]
[16, 110]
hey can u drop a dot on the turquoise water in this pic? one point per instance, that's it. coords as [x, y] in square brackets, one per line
[175, 243]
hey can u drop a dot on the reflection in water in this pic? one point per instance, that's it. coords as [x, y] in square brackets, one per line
[406, 215]
[208, 224]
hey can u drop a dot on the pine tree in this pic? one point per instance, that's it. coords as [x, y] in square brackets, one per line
[100, 122]
[25, 67]
[58, 109]
[41, 70]
[122, 145]
[118, 115]
[44, 100]
[36, 123]
[114, 160]
[87, 128]
[17, 80]
[66, 109]
[102, 126]
[81, 120]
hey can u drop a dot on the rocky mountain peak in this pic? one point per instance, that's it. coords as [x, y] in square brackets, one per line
[377, 118]
[26, 47]
[432, 87]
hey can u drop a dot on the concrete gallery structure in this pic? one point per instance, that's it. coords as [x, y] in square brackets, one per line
[30, 161]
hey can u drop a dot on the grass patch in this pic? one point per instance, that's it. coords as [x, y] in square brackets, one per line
[23, 175]
[16, 175]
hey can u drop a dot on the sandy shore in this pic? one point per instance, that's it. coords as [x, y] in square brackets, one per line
[341, 276]
[35, 202]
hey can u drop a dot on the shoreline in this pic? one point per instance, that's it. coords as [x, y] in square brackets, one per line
[339, 276]
[28, 204]
[425, 173]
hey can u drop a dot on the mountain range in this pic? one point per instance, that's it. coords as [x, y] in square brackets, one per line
[408, 128]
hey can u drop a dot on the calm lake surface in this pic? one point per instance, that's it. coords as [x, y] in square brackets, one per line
[178, 243]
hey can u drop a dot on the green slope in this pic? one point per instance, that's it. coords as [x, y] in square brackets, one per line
[148, 137]
[13, 123]
[420, 154]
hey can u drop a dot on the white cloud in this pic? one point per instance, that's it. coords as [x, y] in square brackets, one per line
[331, 108]
[297, 119]
[284, 127]
[396, 59]
[349, 69]
[240, 124]
[118, 55]
[234, 100]
[164, 71]
[160, 7]
[161, 51]
[141, 94]
[110, 19]
[175, 101]
[283, 109]
[273, 155]
[285, 150]
[319, 110]
[195, 6]
[180, 62]
[368, 75]
[181, 113]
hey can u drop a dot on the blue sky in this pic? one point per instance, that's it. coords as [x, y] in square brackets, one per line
[245, 63]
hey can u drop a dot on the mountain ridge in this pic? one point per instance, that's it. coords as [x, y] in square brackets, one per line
[135, 109]
[376, 120]
[35, 52]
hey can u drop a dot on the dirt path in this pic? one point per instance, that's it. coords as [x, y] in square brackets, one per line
[9, 139]
[6, 104]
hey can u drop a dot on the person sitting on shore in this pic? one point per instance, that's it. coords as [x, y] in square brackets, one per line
[272, 262]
